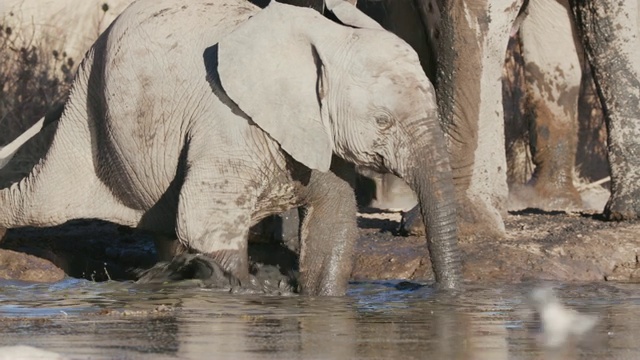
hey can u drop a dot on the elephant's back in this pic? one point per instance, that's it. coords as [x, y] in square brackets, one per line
[156, 47]
[154, 87]
[159, 20]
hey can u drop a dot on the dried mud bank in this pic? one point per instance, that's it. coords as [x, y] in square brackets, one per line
[539, 245]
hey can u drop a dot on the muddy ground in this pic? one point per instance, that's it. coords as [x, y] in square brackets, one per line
[562, 246]
[539, 245]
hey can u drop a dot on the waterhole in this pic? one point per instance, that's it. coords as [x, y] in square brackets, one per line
[375, 320]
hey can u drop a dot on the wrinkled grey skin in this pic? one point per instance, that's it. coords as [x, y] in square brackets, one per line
[609, 32]
[196, 120]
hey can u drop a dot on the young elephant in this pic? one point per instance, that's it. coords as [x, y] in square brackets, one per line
[197, 119]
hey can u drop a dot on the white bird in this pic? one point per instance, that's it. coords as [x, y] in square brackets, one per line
[24, 352]
[558, 322]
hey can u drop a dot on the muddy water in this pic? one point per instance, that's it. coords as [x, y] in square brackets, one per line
[389, 320]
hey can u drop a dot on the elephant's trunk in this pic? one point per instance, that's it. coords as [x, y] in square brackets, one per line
[428, 173]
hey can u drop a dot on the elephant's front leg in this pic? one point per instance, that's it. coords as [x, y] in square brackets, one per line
[471, 49]
[328, 232]
[214, 217]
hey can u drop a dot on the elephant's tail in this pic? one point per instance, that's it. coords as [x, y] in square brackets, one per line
[8, 151]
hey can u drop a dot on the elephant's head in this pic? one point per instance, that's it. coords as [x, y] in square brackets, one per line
[356, 90]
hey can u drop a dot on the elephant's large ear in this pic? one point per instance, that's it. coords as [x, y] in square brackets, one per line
[348, 14]
[271, 70]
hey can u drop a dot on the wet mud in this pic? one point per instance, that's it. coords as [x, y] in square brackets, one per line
[539, 245]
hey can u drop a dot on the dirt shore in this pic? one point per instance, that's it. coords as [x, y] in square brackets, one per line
[539, 245]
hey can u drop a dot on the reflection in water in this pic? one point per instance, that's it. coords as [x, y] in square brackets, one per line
[375, 320]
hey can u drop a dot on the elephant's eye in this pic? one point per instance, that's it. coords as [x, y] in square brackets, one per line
[384, 121]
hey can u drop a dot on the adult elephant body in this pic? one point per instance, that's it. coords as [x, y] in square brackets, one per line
[196, 120]
[471, 48]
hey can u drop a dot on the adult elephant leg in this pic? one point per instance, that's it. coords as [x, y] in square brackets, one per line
[283, 229]
[552, 76]
[328, 231]
[392, 193]
[472, 42]
[591, 157]
[609, 31]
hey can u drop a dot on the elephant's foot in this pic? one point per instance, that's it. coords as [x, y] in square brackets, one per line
[411, 222]
[190, 267]
[3, 232]
[474, 218]
[624, 202]
[542, 196]
[263, 278]
[621, 208]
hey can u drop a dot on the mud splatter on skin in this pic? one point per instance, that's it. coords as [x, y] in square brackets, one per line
[553, 147]
[554, 88]
[552, 79]
[605, 40]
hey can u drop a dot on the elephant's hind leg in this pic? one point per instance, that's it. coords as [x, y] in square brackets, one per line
[64, 184]
[552, 75]
[60, 188]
